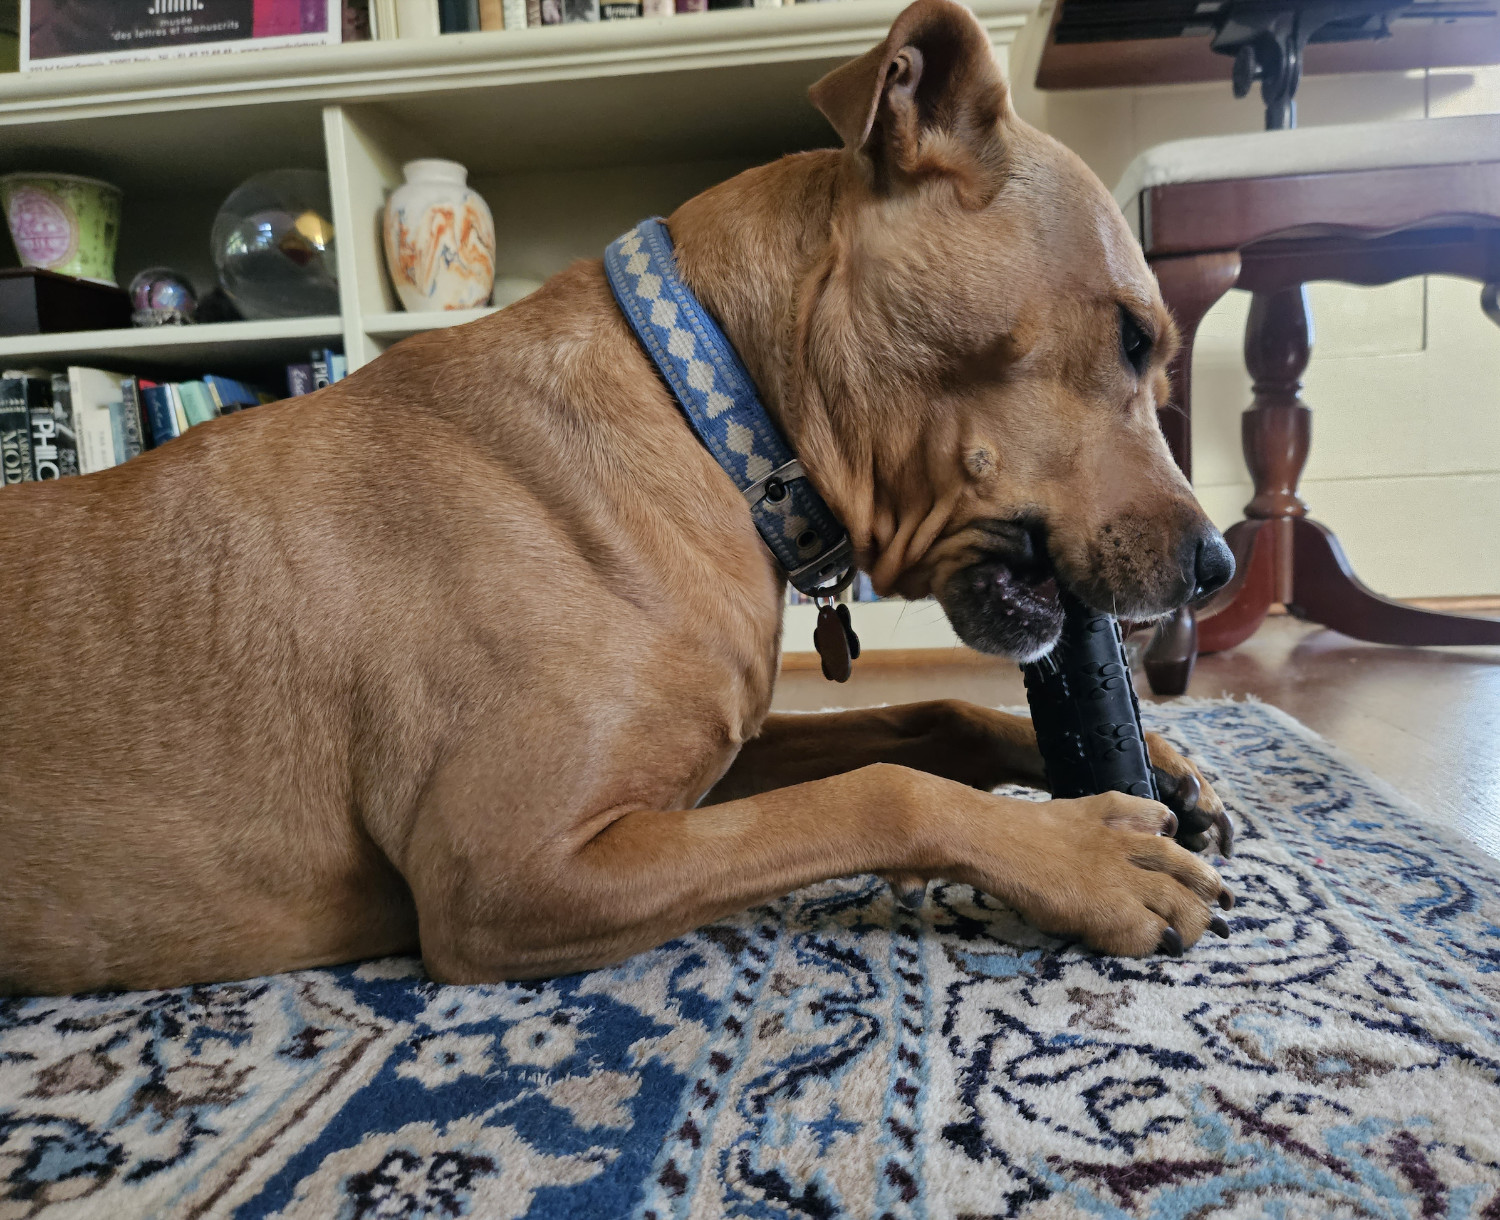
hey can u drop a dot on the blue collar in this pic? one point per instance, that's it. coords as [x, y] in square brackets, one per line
[715, 391]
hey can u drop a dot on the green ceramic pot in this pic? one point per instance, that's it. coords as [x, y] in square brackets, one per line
[63, 223]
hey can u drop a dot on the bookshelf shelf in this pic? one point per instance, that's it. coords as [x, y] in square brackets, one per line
[571, 133]
[395, 325]
[177, 346]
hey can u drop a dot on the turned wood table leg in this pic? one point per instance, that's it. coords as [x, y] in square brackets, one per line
[1190, 286]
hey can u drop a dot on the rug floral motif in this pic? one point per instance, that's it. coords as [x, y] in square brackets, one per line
[833, 1055]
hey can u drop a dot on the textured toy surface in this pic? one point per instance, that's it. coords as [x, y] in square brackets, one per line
[1083, 704]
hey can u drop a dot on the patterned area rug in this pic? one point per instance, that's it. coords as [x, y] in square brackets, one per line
[831, 1055]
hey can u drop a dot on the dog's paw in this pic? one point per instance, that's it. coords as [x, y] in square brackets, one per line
[1201, 816]
[1122, 885]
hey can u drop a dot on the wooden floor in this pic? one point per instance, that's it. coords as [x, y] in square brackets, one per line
[1425, 720]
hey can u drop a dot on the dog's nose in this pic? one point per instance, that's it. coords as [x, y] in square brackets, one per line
[1213, 562]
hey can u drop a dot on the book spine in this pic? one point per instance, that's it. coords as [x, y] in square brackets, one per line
[619, 10]
[580, 10]
[658, 8]
[15, 432]
[197, 403]
[692, 6]
[338, 367]
[452, 16]
[299, 380]
[514, 12]
[534, 12]
[157, 400]
[417, 18]
[319, 366]
[67, 435]
[53, 453]
[492, 14]
[133, 433]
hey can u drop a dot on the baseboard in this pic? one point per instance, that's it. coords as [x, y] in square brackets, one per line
[881, 657]
[1489, 604]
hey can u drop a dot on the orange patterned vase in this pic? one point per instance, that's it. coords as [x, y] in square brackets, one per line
[439, 239]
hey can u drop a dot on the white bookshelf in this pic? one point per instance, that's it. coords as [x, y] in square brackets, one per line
[571, 133]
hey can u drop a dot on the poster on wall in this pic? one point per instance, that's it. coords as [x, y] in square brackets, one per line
[68, 33]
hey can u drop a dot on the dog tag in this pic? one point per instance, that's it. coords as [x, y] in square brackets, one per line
[836, 642]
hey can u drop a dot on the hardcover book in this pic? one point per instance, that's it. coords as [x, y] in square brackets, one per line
[65, 33]
[132, 439]
[299, 380]
[156, 401]
[15, 430]
[94, 392]
[514, 12]
[54, 448]
[197, 403]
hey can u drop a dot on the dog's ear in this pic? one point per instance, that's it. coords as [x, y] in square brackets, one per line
[925, 101]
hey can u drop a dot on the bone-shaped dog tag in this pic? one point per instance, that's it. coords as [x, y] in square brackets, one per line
[835, 641]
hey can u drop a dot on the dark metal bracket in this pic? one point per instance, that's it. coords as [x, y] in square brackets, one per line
[1268, 39]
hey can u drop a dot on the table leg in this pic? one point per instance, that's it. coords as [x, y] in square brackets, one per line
[1190, 286]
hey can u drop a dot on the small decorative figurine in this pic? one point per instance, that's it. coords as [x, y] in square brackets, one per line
[161, 297]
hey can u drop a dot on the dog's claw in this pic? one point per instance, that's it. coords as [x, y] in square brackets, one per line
[912, 896]
[1218, 926]
[1226, 900]
[1224, 829]
[1171, 943]
[1182, 793]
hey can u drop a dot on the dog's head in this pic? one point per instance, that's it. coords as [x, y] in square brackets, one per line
[983, 354]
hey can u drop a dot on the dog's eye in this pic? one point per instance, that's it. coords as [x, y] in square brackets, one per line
[1135, 343]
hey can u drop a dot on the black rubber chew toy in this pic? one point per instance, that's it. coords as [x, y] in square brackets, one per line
[1083, 705]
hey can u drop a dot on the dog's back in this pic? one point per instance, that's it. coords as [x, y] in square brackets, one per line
[231, 663]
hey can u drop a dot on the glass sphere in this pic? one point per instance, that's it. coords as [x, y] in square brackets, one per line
[273, 245]
[161, 297]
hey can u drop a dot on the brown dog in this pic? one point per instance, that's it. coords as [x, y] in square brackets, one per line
[449, 654]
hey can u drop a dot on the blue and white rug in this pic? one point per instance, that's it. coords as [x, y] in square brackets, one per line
[831, 1055]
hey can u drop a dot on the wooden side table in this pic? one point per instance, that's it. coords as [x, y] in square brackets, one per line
[1365, 203]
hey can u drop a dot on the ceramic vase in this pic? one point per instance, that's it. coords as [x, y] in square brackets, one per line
[439, 239]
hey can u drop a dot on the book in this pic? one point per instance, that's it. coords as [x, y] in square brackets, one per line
[156, 400]
[318, 361]
[383, 20]
[197, 404]
[230, 396]
[417, 18]
[54, 450]
[580, 10]
[492, 14]
[453, 16]
[619, 10]
[338, 367]
[179, 415]
[299, 380]
[130, 441]
[692, 6]
[15, 430]
[515, 14]
[658, 8]
[93, 392]
[534, 12]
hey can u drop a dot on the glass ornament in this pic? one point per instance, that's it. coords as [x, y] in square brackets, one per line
[161, 297]
[273, 245]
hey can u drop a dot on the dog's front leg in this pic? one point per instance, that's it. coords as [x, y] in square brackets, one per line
[959, 741]
[974, 745]
[624, 881]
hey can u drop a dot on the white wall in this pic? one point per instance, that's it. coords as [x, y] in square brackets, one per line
[1405, 379]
